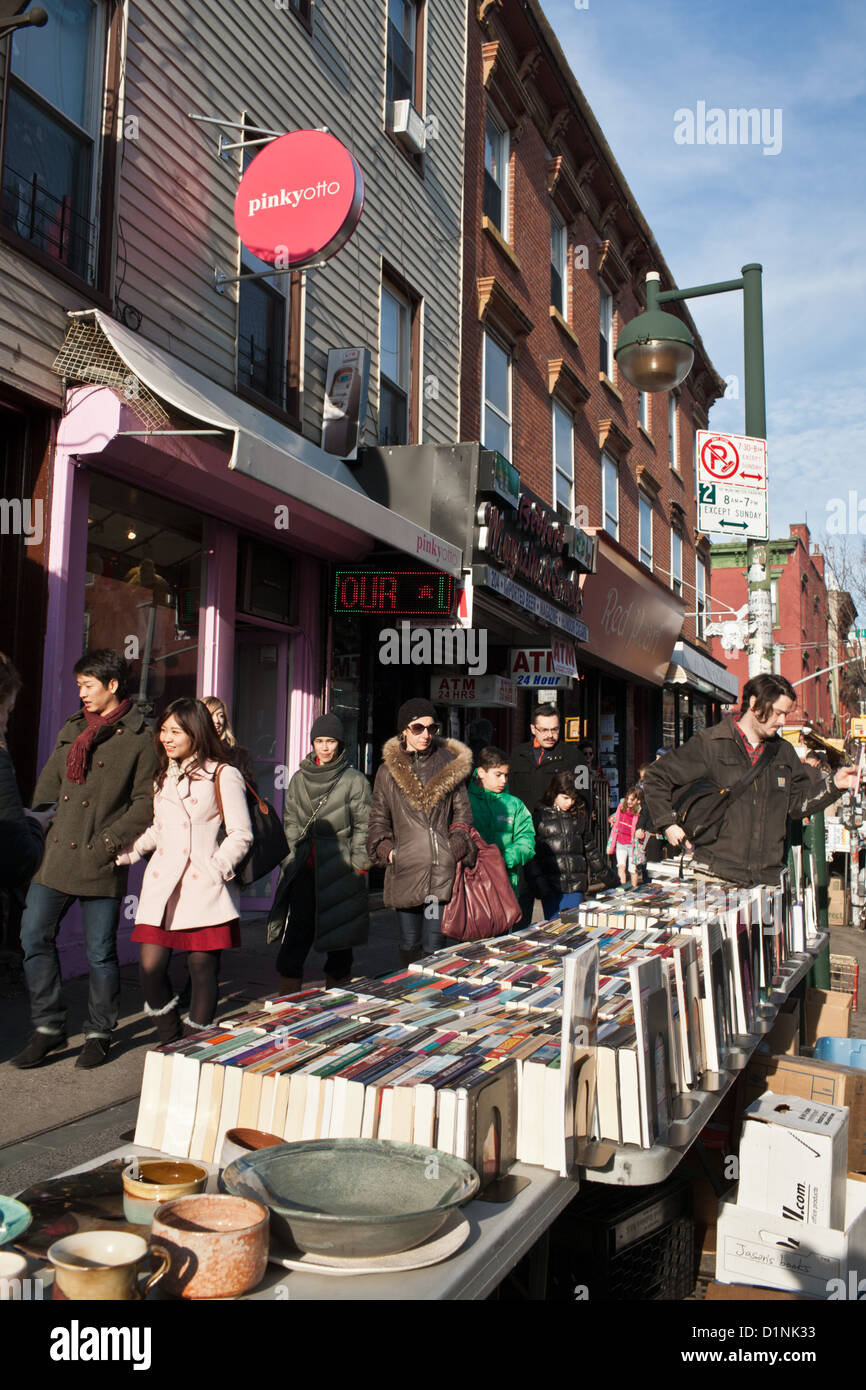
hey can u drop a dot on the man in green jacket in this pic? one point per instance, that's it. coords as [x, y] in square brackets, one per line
[500, 818]
[100, 780]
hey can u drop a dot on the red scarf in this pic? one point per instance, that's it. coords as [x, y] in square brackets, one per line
[78, 755]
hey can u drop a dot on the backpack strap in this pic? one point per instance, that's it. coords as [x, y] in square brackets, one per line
[769, 753]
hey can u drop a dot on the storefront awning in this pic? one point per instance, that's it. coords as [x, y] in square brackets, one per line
[690, 667]
[100, 351]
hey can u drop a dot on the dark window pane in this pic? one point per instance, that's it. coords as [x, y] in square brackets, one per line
[261, 341]
[46, 185]
[556, 288]
[401, 67]
[393, 414]
[492, 201]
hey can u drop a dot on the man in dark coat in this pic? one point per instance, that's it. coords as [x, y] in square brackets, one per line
[533, 764]
[100, 776]
[750, 847]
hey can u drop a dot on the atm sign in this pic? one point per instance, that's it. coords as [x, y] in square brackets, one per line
[394, 593]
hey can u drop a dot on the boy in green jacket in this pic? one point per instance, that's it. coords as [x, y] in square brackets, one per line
[500, 818]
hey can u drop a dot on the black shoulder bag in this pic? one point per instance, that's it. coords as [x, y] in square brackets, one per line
[701, 806]
[269, 847]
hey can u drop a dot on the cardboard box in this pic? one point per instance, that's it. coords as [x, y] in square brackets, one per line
[794, 1160]
[825, 1083]
[776, 1253]
[744, 1293]
[784, 1036]
[828, 1015]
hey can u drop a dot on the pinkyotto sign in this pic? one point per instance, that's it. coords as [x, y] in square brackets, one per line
[300, 199]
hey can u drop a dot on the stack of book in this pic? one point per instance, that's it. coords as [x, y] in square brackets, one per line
[515, 1048]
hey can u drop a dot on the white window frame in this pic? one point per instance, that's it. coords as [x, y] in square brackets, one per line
[405, 307]
[643, 410]
[645, 510]
[559, 232]
[558, 470]
[673, 432]
[610, 473]
[605, 329]
[494, 119]
[413, 6]
[484, 401]
[676, 568]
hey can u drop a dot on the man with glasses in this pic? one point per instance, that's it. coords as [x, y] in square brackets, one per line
[420, 803]
[534, 763]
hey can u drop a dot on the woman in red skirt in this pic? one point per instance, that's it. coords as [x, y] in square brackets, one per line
[189, 899]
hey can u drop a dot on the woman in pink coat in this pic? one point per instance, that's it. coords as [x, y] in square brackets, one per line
[189, 900]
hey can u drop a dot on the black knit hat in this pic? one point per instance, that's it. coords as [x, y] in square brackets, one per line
[328, 726]
[419, 708]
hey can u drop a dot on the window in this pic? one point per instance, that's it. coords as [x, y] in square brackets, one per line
[558, 253]
[701, 586]
[264, 311]
[643, 409]
[610, 495]
[605, 328]
[402, 39]
[496, 173]
[672, 431]
[395, 367]
[563, 463]
[645, 529]
[676, 561]
[303, 9]
[496, 417]
[53, 122]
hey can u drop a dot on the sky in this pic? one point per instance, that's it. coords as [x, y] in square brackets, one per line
[799, 212]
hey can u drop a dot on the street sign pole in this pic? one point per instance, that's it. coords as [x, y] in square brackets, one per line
[760, 614]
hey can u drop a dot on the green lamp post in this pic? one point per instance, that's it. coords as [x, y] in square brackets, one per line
[655, 352]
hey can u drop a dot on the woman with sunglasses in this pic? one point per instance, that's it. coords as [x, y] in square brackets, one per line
[419, 801]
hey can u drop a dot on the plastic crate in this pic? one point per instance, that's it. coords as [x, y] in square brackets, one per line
[624, 1245]
[845, 975]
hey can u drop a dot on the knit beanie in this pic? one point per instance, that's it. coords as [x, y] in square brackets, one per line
[328, 726]
[419, 708]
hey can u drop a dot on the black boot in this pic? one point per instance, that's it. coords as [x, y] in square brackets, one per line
[166, 1021]
[38, 1048]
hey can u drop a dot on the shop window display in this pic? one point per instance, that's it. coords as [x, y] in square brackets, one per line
[142, 589]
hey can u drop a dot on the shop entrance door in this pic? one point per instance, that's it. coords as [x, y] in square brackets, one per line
[259, 720]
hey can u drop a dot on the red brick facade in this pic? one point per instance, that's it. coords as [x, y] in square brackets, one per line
[560, 164]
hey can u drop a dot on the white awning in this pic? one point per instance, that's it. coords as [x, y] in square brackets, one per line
[266, 450]
[693, 668]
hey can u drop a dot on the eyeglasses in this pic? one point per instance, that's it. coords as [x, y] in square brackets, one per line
[419, 729]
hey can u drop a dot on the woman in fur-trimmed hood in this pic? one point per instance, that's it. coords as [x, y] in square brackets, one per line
[419, 802]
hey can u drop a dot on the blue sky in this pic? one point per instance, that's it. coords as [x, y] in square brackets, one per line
[801, 213]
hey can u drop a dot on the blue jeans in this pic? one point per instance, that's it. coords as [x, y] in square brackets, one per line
[560, 902]
[419, 926]
[43, 913]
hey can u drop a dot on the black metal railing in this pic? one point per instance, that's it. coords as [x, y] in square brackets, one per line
[49, 222]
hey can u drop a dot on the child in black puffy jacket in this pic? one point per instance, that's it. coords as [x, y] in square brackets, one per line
[566, 856]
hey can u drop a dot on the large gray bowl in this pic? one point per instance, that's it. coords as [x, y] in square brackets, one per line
[353, 1197]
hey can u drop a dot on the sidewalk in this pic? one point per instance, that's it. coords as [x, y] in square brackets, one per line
[35, 1104]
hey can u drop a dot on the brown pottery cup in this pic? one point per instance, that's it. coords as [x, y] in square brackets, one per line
[217, 1244]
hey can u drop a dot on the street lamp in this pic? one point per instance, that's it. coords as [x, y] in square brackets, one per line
[655, 352]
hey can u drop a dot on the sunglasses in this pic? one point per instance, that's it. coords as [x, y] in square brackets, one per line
[419, 729]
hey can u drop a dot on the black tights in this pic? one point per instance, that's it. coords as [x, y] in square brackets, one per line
[203, 972]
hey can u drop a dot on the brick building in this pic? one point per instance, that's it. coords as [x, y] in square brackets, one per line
[802, 642]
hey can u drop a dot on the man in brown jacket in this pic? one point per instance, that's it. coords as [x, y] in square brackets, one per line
[100, 777]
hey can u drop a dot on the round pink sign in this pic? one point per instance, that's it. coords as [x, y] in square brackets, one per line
[300, 199]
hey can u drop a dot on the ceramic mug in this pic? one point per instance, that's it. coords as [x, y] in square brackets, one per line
[103, 1265]
[218, 1245]
[148, 1182]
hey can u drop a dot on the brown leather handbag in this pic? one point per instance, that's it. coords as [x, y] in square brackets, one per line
[483, 902]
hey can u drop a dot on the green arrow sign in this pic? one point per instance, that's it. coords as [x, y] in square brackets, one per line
[738, 525]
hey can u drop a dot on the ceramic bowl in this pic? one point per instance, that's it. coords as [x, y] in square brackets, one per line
[148, 1182]
[217, 1245]
[354, 1197]
[14, 1219]
[239, 1142]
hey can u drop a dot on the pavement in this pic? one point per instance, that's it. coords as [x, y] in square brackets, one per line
[54, 1117]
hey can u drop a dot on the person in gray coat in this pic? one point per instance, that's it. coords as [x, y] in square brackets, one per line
[321, 897]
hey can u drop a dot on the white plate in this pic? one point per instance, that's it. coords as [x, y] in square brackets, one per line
[446, 1241]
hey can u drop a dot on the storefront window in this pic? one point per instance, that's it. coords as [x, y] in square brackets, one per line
[686, 726]
[699, 712]
[669, 718]
[142, 588]
[346, 675]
